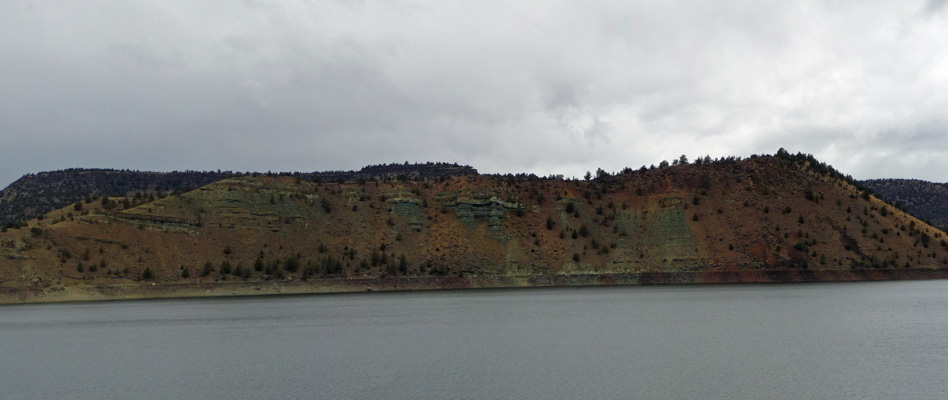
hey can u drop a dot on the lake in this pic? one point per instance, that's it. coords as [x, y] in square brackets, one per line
[867, 340]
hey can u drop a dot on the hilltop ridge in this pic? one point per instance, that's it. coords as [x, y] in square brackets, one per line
[765, 218]
[33, 195]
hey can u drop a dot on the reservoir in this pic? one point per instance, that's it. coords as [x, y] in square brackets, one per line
[867, 340]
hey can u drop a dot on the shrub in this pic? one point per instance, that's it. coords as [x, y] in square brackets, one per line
[376, 258]
[325, 204]
[584, 230]
[332, 265]
[402, 264]
[291, 264]
[309, 270]
[808, 193]
[148, 274]
[273, 268]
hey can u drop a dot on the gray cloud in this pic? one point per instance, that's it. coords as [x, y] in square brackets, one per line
[546, 88]
[934, 6]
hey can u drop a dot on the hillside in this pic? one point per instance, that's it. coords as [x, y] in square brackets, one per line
[33, 195]
[36, 194]
[926, 200]
[765, 218]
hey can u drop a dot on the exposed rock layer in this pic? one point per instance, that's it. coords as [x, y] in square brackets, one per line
[762, 219]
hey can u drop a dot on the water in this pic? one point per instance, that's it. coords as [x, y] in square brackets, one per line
[878, 340]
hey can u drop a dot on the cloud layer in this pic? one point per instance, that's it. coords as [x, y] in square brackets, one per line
[549, 87]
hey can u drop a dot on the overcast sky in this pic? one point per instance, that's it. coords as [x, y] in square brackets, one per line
[544, 87]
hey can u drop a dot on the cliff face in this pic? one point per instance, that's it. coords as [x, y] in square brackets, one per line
[764, 216]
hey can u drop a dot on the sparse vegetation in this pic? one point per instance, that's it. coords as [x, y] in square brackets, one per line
[639, 220]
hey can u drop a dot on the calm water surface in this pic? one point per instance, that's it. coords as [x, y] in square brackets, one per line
[878, 340]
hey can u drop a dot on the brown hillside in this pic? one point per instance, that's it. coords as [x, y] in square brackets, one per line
[764, 216]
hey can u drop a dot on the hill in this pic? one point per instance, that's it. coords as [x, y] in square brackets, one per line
[765, 218]
[926, 200]
[33, 195]
[36, 194]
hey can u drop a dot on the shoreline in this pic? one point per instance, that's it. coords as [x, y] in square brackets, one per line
[85, 293]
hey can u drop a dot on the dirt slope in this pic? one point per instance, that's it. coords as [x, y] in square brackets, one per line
[765, 218]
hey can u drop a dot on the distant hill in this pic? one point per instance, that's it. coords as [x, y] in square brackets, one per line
[36, 194]
[925, 200]
[765, 218]
[405, 172]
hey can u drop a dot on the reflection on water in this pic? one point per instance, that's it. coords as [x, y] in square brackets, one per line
[855, 340]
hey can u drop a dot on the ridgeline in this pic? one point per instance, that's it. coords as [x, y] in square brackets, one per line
[781, 218]
[34, 195]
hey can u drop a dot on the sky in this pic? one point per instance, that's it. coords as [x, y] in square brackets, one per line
[545, 87]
